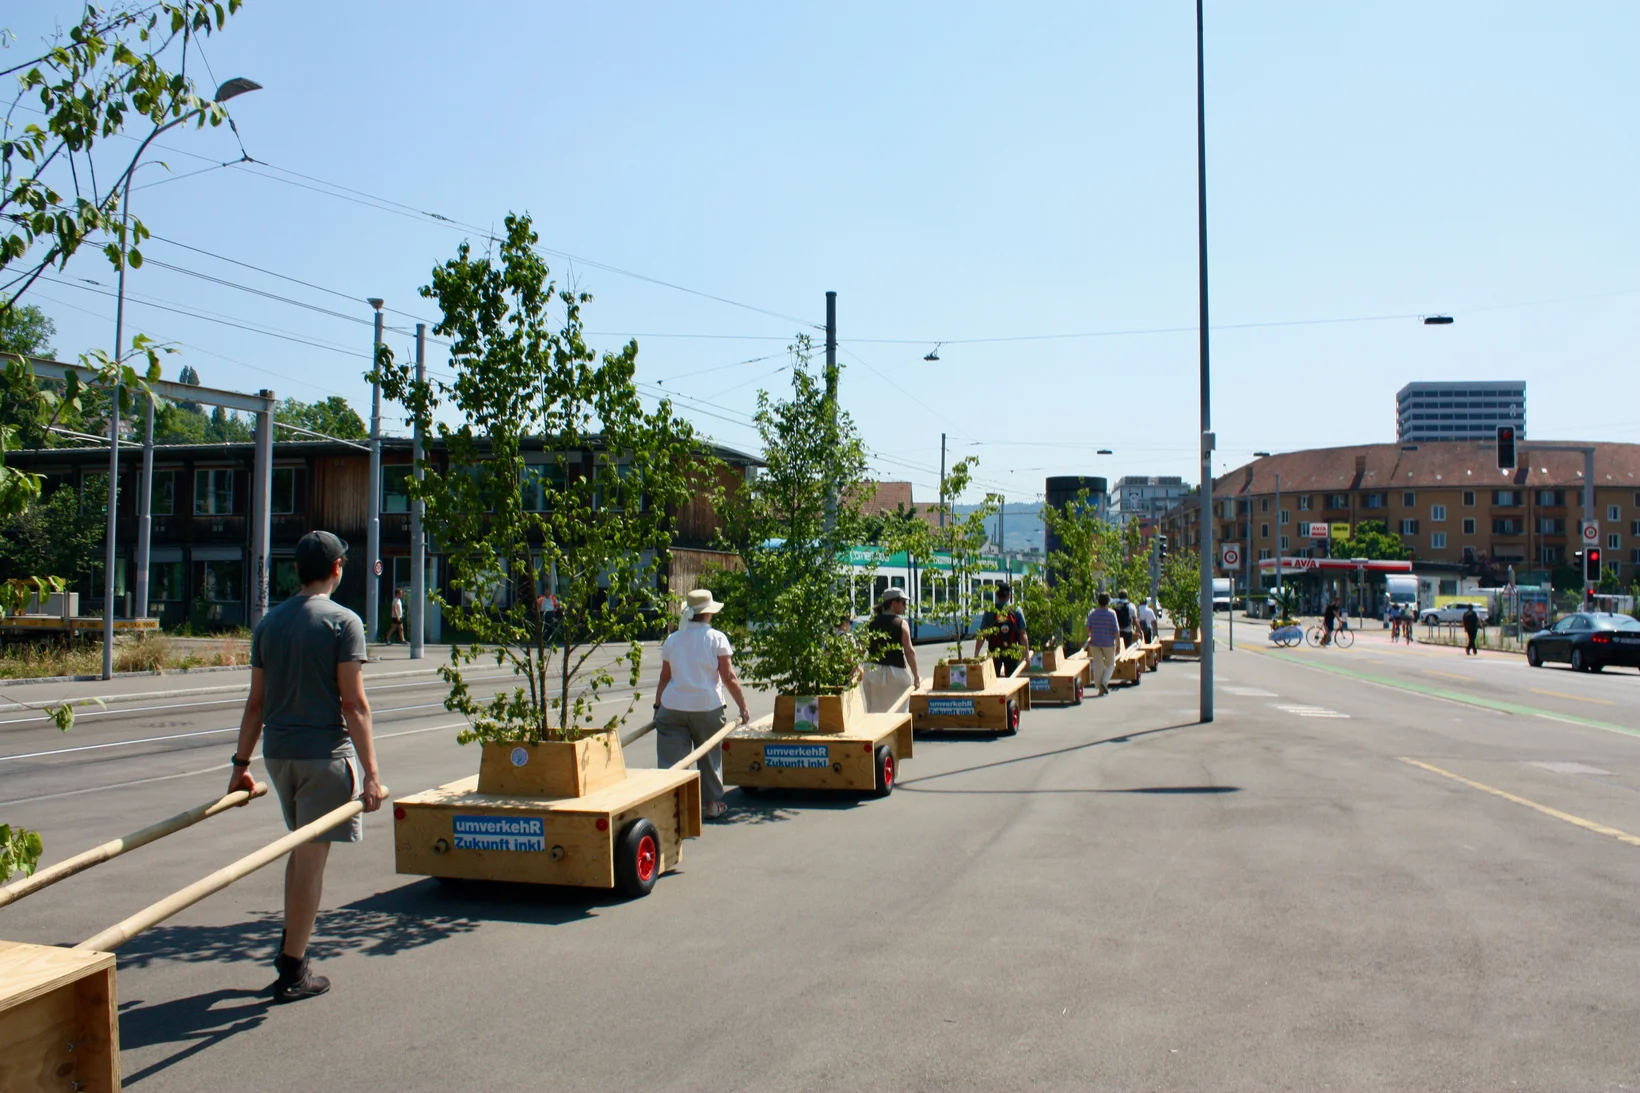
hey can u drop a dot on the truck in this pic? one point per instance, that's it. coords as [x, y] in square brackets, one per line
[1402, 591]
[1221, 594]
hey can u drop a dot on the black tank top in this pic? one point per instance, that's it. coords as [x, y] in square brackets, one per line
[885, 640]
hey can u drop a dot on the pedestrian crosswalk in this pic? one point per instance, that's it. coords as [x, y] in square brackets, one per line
[1252, 692]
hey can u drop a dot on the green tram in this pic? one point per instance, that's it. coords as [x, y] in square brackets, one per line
[928, 586]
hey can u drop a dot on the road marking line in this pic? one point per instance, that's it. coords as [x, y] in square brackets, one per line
[1448, 675]
[1574, 698]
[1460, 697]
[1589, 825]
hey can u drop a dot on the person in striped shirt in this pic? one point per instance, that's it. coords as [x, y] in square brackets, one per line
[1102, 632]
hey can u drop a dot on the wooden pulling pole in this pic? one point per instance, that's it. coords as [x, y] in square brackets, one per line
[715, 739]
[152, 915]
[637, 735]
[115, 847]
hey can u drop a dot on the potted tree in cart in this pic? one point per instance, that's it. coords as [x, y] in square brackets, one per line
[552, 516]
[1180, 593]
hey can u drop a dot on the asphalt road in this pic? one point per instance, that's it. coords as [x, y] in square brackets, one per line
[1379, 868]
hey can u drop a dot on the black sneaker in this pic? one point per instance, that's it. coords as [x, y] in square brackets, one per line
[296, 980]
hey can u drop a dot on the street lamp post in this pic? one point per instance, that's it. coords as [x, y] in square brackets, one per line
[232, 88]
[373, 534]
[1205, 557]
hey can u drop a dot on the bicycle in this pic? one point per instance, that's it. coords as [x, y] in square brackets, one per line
[1341, 636]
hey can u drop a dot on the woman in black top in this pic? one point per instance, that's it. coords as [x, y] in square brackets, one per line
[891, 658]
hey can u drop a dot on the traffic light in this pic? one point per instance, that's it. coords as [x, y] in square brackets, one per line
[1506, 447]
[1161, 549]
[1591, 566]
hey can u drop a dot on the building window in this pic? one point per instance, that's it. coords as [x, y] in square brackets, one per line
[1551, 525]
[1437, 514]
[1374, 501]
[1505, 499]
[1550, 499]
[1284, 544]
[1508, 525]
[1469, 498]
[395, 495]
[1634, 527]
[1613, 513]
[1264, 504]
[287, 494]
[1614, 541]
[1634, 556]
[222, 582]
[1437, 540]
[1303, 502]
[1265, 553]
[1264, 531]
[1409, 527]
[1286, 517]
[1338, 501]
[213, 493]
[1409, 499]
[1549, 555]
[165, 580]
[539, 481]
[164, 499]
[1469, 525]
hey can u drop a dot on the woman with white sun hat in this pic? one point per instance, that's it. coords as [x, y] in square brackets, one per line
[689, 703]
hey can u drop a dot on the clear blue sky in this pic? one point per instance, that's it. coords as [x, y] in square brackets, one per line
[953, 172]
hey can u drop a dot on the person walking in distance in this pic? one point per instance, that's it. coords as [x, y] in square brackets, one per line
[1102, 633]
[891, 659]
[689, 706]
[1147, 621]
[1471, 627]
[1127, 617]
[397, 609]
[1003, 631]
[307, 704]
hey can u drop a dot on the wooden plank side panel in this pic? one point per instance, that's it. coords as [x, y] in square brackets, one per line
[30, 970]
[341, 501]
[990, 708]
[850, 763]
[64, 1038]
[585, 855]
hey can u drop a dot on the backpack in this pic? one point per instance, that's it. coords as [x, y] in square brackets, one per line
[1124, 615]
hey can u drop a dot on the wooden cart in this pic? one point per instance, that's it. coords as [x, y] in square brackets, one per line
[1130, 665]
[970, 697]
[1057, 679]
[553, 813]
[836, 745]
[59, 1026]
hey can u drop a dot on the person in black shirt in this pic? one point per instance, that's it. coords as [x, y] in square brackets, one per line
[1329, 619]
[1127, 617]
[891, 659]
[1471, 626]
[1003, 631]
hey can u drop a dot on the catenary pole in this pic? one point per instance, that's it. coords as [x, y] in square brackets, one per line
[942, 480]
[1206, 554]
[145, 502]
[1278, 534]
[373, 548]
[262, 511]
[831, 394]
[418, 534]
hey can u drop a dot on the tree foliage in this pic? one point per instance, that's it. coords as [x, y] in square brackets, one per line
[53, 537]
[1372, 540]
[951, 555]
[113, 68]
[587, 521]
[332, 417]
[1179, 589]
[794, 540]
[26, 329]
[1057, 605]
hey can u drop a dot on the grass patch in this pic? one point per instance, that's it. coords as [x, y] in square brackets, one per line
[152, 653]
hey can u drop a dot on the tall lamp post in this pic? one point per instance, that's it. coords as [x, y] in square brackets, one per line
[1205, 556]
[232, 88]
[1266, 455]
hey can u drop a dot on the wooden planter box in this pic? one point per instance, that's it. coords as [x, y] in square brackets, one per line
[552, 768]
[59, 1026]
[1130, 665]
[1056, 679]
[980, 676]
[826, 715]
[863, 758]
[1183, 643]
[993, 707]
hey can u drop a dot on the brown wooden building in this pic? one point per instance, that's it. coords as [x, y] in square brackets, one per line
[200, 557]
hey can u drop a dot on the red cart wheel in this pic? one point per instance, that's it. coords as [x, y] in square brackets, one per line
[887, 772]
[1078, 701]
[1013, 718]
[637, 859]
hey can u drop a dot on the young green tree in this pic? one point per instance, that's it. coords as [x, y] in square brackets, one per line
[792, 528]
[588, 520]
[1057, 611]
[953, 556]
[120, 64]
[1180, 588]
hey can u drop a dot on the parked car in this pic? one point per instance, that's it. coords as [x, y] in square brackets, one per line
[1588, 641]
[1452, 612]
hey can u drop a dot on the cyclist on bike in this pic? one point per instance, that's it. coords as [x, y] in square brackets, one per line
[1329, 619]
[1408, 617]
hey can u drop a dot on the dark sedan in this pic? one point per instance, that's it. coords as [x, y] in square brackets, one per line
[1588, 641]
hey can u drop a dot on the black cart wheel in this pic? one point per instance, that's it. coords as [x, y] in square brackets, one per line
[452, 882]
[1533, 657]
[1013, 718]
[1078, 700]
[1578, 663]
[637, 859]
[887, 771]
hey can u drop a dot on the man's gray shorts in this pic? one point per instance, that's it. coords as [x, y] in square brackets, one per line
[309, 788]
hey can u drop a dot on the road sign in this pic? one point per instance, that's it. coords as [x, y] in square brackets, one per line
[1590, 530]
[1230, 556]
[376, 567]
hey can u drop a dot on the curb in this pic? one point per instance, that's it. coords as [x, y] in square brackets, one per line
[185, 692]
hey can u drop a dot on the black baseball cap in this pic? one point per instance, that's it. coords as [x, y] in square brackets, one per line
[318, 552]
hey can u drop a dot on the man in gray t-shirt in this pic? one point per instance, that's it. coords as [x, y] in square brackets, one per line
[307, 694]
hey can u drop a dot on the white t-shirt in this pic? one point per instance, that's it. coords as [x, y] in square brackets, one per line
[693, 654]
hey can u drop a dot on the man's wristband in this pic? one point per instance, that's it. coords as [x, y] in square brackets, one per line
[238, 762]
